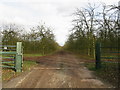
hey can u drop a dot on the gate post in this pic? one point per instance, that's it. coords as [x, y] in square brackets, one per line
[18, 60]
[98, 55]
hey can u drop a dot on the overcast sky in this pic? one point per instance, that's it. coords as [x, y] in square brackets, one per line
[55, 13]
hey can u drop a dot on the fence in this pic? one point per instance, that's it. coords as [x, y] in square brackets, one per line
[12, 56]
[106, 54]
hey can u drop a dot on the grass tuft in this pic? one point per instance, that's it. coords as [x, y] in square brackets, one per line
[108, 73]
[8, 73]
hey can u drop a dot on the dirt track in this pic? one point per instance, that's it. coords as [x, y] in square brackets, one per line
[61, 70]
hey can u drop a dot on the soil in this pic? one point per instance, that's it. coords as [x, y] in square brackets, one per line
[61, 70]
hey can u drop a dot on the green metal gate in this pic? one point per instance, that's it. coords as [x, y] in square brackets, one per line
[12, 56]
[106, 54]
[108, 62]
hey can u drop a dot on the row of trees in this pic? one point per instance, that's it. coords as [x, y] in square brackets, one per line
[92, 24]
[40, 39]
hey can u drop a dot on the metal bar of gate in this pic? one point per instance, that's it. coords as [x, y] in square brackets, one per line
[8, 53]
[7, 46]
[7, 66]
[12, 62]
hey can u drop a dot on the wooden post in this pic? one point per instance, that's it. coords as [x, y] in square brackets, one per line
[98, 55]
[18, 61]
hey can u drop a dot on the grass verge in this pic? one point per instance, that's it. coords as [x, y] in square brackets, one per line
[8, 74]
[83, 56]
[32, 55]
[108, 73]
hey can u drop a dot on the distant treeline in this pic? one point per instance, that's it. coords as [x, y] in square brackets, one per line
[94, 24]
[39, 39]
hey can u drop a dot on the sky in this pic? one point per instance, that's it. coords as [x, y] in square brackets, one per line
[56, 14]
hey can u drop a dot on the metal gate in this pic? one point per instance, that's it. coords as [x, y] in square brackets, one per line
[106, 54]
[12, 56]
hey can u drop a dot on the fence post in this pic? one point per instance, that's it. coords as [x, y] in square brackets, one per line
[18, 62]
[98, 55]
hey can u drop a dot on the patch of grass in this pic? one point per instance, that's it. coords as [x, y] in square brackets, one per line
[27, 65]
[84, 56]
[32, 55]
[81, 55]
[7, 73]
[109, 72]
[90, 66]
